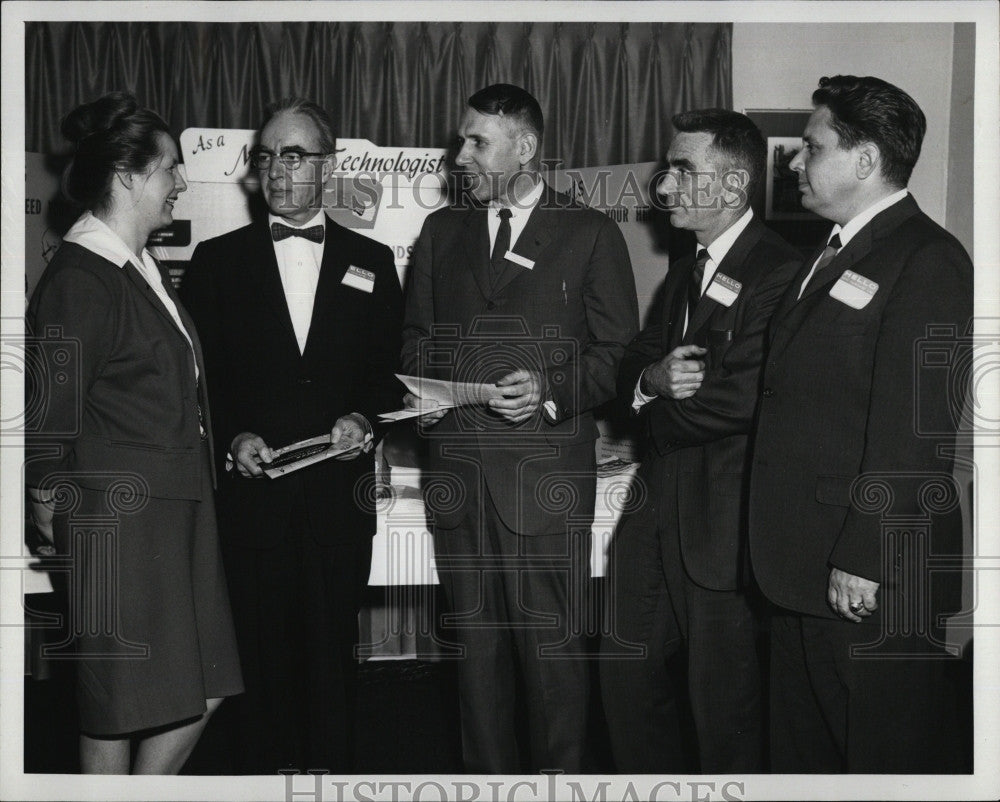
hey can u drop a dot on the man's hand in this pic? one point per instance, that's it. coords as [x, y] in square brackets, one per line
[675, 376]
[410, 401]
[249, 450]
[352, 430]
[522, 396]
[853, 597]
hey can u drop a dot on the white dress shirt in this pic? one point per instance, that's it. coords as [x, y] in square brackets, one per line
[519, 215]
[717, 251]
[299, 261]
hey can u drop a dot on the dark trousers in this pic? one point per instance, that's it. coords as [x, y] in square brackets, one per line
[881, 714]
[657, 608]
[295, 608]
[515, 606]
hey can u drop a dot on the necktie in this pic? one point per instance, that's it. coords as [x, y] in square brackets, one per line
[824, 259]
[502, 244]
[694, 286]
[280, 231]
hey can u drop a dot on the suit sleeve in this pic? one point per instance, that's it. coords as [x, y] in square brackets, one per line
[76, 309]
[935, 288]
[382, 388]
[726, 402]
[419, 308]
[201, 295]
[645, 348]
[612, 315]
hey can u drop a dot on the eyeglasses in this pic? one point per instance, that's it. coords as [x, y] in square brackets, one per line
[291, 159]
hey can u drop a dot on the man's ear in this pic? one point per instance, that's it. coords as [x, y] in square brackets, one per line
[329, 165]
[869, 158]
[527, 147]
[735, 183]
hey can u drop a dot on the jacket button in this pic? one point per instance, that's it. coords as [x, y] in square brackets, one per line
[768, 392]
[490, 305]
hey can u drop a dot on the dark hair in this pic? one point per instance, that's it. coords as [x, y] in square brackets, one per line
[872, 110]
[112, 133]
[507, 100]
[321, 119]
[734, 136]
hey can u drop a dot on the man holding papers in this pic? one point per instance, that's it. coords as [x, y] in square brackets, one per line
[519, 287]
[300, 321]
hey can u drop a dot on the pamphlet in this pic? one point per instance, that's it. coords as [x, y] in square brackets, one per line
[304, 453]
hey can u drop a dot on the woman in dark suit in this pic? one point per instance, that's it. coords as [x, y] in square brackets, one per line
[120, 472]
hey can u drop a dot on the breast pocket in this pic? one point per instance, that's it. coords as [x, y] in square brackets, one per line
[719, 341]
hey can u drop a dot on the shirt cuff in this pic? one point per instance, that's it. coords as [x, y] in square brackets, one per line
[639, 398]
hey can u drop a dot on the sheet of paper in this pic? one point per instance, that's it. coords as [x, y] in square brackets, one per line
[403, 414]
[450, 394]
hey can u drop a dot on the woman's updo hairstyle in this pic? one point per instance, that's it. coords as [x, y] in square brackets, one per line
[110, 134]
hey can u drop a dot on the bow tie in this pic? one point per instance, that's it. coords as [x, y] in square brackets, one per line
[280, 231]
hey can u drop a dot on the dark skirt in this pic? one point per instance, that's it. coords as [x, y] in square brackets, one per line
[148, 610]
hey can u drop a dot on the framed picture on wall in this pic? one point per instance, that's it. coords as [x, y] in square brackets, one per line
[782, 199]
[778, 201]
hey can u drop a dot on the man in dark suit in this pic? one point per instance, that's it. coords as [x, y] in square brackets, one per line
[851, 489]
[678, 565]
[546, 318]
[300, 320]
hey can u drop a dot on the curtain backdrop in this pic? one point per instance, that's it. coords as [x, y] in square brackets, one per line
[607, 90]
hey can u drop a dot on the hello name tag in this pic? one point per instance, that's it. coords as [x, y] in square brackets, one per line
[854, 290]
[510, 256]
[359, 278]
[723, 289]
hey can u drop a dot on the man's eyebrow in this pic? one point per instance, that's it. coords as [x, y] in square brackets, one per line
[681, 162]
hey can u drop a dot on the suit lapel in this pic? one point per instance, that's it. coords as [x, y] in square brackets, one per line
[793, 310]
[335, 262]
[147, 292]
[674, 298]
[476, 240]
[535, 236]
[857, 248]
[733, 265]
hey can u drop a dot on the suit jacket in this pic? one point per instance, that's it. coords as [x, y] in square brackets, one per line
[569, 316]
[852, 418]
[697, 446]
[116, 389]
[262, 384]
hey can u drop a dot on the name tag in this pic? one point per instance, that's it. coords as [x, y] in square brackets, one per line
[854, 290]
[723, 289]
[359, 278]
[510, 256]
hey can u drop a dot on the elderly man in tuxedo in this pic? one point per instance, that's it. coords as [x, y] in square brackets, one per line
[300, 320]
[679, 573]
[851, 491]
[519, 286]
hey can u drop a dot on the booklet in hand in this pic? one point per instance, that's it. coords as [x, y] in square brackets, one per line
[304, 453]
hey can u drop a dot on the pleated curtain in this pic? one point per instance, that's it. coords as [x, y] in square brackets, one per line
[607, 89]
